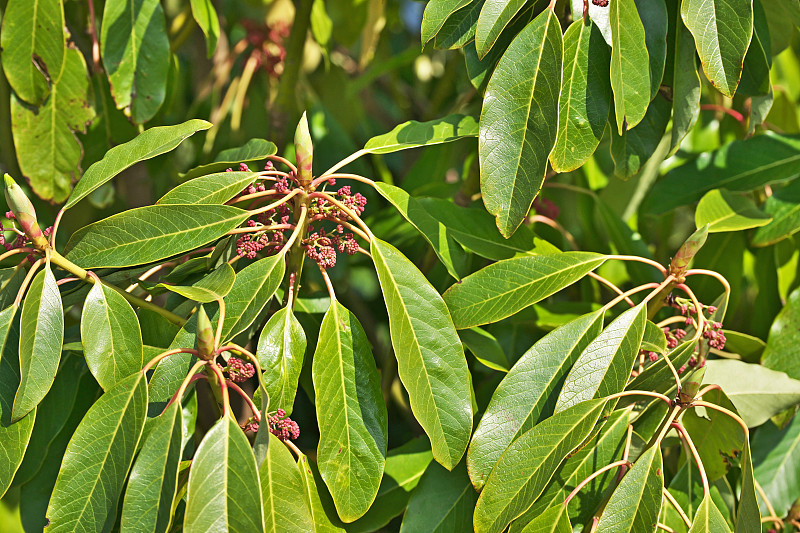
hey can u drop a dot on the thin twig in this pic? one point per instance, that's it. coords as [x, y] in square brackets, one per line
[671, 499]
[699, 462]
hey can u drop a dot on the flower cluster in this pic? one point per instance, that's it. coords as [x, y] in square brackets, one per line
[282, 426]
[239, 371]
[268, 45]
[321, 247]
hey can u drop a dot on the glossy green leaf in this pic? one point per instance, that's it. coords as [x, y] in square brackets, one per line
[33, 44]
[353, 421]
[170, 371]
[527, 394]
[604, 366]
[725, 211]
[436, 14]
[147, 506]
[211, 189]
[749, 348]
[485, 348]
[686, 488]
[630, 74]
[442, 502]
[430, 358]
[413, 134]
[41, 334]
[148, 234]
[281, 349]
[282, 491]
[758, 60]
[709, 519]
[519, 121]
[722, 30]
[748, 515]
[738, 166]
[10, 282]
[653, 14]
[48, 150]
[784, 208]
[459, 29]
[252, 151]
[634, 147]
[553, 520]
[506, 287]
[111, 336]
[214, 286]
[527, 465]
[585, 97]
[148, 144]
[494, 17]
[686, 88]
[323, 513]
[97, 459]
[136, 55]
[635, 504]
[777, 463]
[206, 17]
[783, 344]
[718, 437]
[654, 339]
[224, 493]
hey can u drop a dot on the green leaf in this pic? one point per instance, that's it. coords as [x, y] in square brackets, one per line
[212, 287]
[33, 44]
[435, 232]
[686, 88]
[783, 344]
[604, 366]
[717, 436]
[41, 335]
[630, 78]
[111, 336]
[153, 481]
[709, 519]
[10, 282]
[722, 31]
[554, 520]
[252, 151]
[636, 502]
[353, 421]
[430, 358]
[323, 513]
[136, 55]
[442, 502]
[224, 493]
[748, 515]
[527, 393]
[494, 17]
[633, 148]
[97, 459]
[653, 14]
[436, 14]
[687, 489]
[519, 121]
[413, 134]
[282, 491]
[777, 463]
[485, 348]
[212, 189]
[506, 287]
[758, 60]
[206, 17]
[738, 166]
[749, 348]
[281, 349]
[170, 372]
[405, 466]
[459, 29]
[585, 97]
[148, 234]
[525, 468]
[657, 376]
[146, 145]
[758, 393]
[784, 208]
[654, 339]
[725, 211]
[48, 151]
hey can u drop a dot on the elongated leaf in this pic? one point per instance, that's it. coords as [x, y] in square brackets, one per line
[636, 502]
[725, 211]
[206, 17]
[748, 515]
[519, 121]
[653, 14]
[506, 287]
[41, 335]
[111, 337]
[657, 376]
[443, 502]
[323, 513]
[436, 14]
[777, 463]
[722, 30]
[33, 44]
[493, 18]
[212, 189]
[430, 358]
[252, 151]
[136, 55]
[146, 145]
[758, 60]
[485, 348]
[718, 437]
[94, 469]
[281, 348]
[634, 147]
[554, 520]
[585, 97]
[527, 394]
[414, 134]
[686, 88]
[604, 366]
[784, 208]
[709, 519]
[459, 29]
[353, 421]
[630, 71]
[208, 289]
[737, 166]
[10, 282]
[282, 491]
[151, 490]
[151, 233]
[528, 464]
[783, 344]
[170, 372]
[224, 493]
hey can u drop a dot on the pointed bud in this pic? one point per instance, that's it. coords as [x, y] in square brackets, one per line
[691, 385]
[304, 151]
[205, 335]
[687, 252]
[24, 212]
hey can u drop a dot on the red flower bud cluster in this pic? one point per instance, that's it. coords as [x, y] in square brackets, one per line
[674, 336]
[283, 427]
[269, 50]
[239, 371]
[356, 202]
[321, 247]
[546, 208]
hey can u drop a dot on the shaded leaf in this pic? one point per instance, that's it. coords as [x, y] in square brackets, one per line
[777, 463]
[653, 14]
[630, 79]
[485, 348]
[725, 211]
[634, 147]
[413, 134]
[215, 285]
[281, 349]
[459, 29]
[250, 152]
[718, 437]
[206, 17]
[436, 14]
[282, 491]
[636, 502]
[784, 208]
[442, 502]
[748, 515]
[783, 344]
[686, 88]
[211, 189]
[323, 513]
[494, 17]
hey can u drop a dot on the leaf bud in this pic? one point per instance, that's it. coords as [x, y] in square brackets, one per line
[24, 212]
[691, 385]
[687, 252]
[205, 335]
[304, 151]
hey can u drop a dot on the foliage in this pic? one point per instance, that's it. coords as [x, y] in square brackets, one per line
[555, 290]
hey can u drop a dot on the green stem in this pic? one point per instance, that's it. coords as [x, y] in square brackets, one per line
[296, 254]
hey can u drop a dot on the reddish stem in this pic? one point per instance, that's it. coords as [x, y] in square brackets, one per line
[728, 111]
[247, 399]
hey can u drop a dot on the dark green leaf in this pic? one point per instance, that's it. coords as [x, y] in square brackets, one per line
[353, 421]
[170, 372]
[686, 86]
[634, 147]
[252, 151]
[630, 76]
[717, 436]
[282, 491]
[749, 348]
[459, 29]
[430, 358]
[725, 211]
[436, 14]
[97, 459]
[777, 463]
[784, 208]
[281, 348]
[414, 134]
[635, 504]
[485, 348]
[212, 287]
[653, 14]
[757, 61]
[654, 339]
[442, 502]
[323, 513]
[494, 17]
[657, 376]
[519, 121]
[206, 17]
[748, 515]
[783, 344]
[211, 189]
